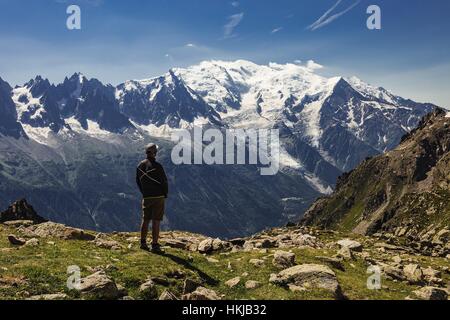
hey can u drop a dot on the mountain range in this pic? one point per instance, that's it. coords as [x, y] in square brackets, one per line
[72, 148]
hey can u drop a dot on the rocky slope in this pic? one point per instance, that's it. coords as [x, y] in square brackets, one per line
[49, 261]
[405, 192]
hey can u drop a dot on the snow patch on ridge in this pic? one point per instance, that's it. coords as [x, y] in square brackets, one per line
[42, 136]
[286, 160]
[311, 113]
[32, 105]
[93, 128]
[165, 131]
[368, 90]
[351, 116]
[317, 184]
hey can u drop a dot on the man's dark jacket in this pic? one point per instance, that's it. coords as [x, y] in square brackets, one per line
[151, 179]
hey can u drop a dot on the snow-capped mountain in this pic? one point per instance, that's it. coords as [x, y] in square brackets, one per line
[339, 121]
[86, 137]
[35, 107]
[166, 100]
[40, 104]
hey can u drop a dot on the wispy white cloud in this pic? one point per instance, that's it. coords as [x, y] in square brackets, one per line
[190, 45]
[325, 15]
[233, 21]
[328, 18]
[312, 65]
[276, 30]
[235, 4]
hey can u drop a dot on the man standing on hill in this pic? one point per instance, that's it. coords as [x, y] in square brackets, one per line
[152, 182]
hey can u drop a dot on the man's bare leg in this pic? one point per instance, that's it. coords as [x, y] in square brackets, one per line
[144, 232]
[155, 231]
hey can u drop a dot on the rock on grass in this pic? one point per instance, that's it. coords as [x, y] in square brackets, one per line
[431, 293]
[251, 284]
[99, 286]
[233, 282]
[351, 244]
[53, 296]
[147, 290]
[56, 230]
[283, 259]
[309, 276]
[201, 293]
[16, 241]
[167, 295]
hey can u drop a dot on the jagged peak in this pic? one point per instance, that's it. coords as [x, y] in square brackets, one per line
[78, 77]
[167, 78]
[370, 90]
[171, 76]
[342, 81]
[339, 83]
[38, 80]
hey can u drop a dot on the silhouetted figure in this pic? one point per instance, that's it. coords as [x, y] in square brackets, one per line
[152, 182]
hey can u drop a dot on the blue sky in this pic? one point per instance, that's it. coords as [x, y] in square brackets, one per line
[134, 39]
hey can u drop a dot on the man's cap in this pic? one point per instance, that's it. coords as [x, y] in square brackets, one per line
[151, 146]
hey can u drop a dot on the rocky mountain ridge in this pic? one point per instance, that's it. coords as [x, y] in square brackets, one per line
[404, 192]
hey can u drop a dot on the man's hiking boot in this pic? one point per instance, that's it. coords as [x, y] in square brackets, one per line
[156, 248]
[144, 246]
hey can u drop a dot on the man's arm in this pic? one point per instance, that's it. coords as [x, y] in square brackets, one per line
[138, 178]
[164, 183]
